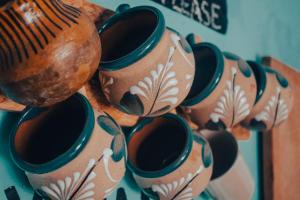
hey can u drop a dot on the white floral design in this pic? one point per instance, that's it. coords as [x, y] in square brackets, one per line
[189, 78]
[233, 103]
[106, 82]
[276, 110]
[80, 186]
[66, 189]
[161, 85]
[178, 190]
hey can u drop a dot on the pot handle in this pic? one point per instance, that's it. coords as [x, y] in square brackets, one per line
[193, 39]
[122, 7]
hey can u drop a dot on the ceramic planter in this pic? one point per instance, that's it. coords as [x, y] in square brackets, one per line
[274, 99]
[231, 178]
[223, 91]
[48, 51]
[179, 170]
[90, 166]
[147, 69]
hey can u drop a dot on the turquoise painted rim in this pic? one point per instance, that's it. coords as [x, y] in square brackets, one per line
[64, 158]
[262, 81]
[215, 79]
[143, 49]
[177, 163]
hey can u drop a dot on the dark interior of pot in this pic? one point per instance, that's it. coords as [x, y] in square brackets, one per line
[157, 145]
[224, 149]
[206, 65]
[126, 34]
[50, 133]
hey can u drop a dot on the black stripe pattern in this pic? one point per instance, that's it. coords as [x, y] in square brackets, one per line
[27, 26]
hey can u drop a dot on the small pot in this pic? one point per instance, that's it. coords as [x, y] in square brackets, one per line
[223, 91]
[69, 151]
[146, 68]
[167, 160]
[48, 51]
[274, 99]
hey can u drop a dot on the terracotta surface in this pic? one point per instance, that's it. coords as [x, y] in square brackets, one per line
[273, 107]
[42, 64]
[188, 180]
[229, 103]
[281, 147]
[154, 97]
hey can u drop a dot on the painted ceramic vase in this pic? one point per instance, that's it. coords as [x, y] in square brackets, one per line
[48, 51]
[223, 91]
[146, 68]
[167, 160]
[68, 151]
[274, 99]
[231, 177]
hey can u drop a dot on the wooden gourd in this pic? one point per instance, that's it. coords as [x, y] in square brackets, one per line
[48, 51]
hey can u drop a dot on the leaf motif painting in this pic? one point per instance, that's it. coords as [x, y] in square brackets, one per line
[276, 110]
[160, 87]
[79, 186]
[179, 189]
[233, 104]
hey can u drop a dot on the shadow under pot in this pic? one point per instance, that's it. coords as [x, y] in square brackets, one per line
[231, 177]
[223, 91]
[48, 49]
[69, 151]
[274, 99]
[167, 161]
[146, 68]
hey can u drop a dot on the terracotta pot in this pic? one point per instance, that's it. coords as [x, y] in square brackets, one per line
[274, 99]
[223, 91]
[231, 178]
[146, 69]
[167, 160]
[48, 51]
[69, 151]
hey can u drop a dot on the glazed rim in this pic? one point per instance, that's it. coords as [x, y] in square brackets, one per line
[141, 50]
[177, 162]
[66, 156]
[214, 81]
[260, 78]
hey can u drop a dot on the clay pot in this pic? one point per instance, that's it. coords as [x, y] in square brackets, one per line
[231, 177]
[69, 151]
[167, 160]
[223, 91]
[274, 99]
[146, 69]
[48, 51]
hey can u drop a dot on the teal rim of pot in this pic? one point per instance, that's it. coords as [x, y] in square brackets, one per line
[143, 49]
[215, 79]
[63, 158]
[261, 80]
[175, 164]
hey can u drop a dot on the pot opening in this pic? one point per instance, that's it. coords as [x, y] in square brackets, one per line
[206, 65]
[158, 145]
[50, 133]
[125, 35]
[224, 149]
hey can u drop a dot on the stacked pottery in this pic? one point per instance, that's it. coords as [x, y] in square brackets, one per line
[147, 70]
